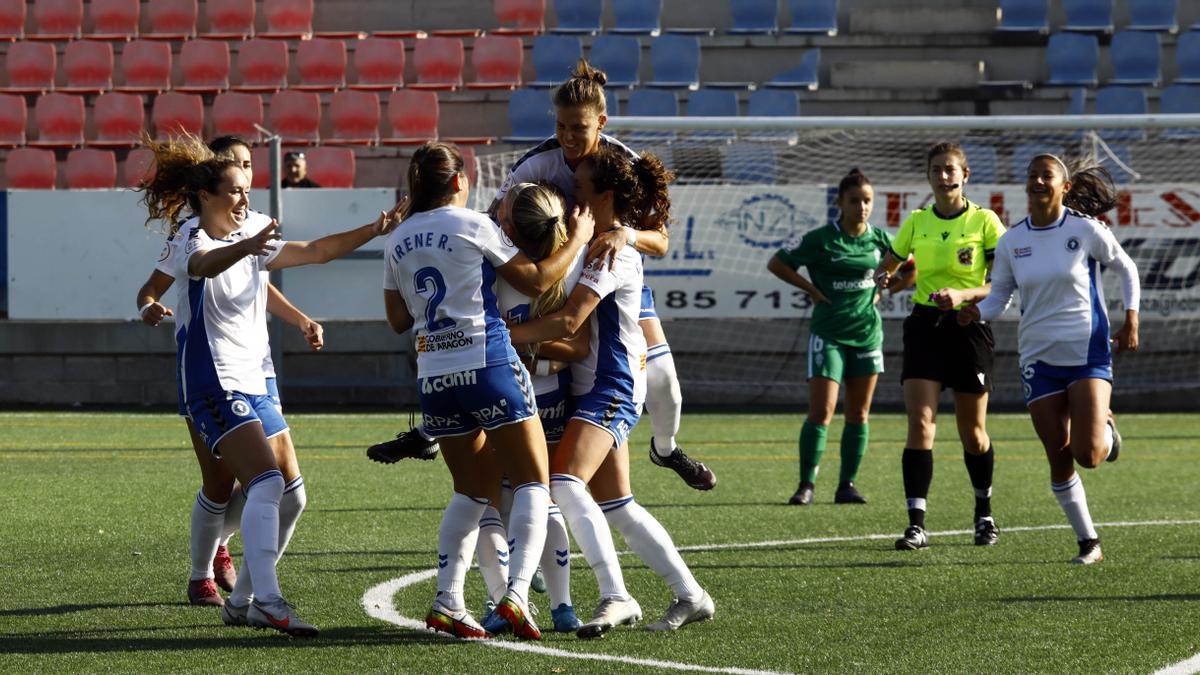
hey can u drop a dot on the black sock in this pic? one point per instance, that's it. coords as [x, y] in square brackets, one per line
[980, 468]
[917, 466]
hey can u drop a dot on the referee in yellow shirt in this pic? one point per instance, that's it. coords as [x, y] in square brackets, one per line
[952, 241]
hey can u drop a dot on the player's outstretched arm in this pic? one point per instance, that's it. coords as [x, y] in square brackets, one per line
[398, 316]
[212, 261]
[574, 347]
[151, 310]
[334, 246]
[566, 321]
[606, 246]
[533, 279]
[278, 305]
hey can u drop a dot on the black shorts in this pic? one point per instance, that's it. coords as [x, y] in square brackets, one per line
[937, 348]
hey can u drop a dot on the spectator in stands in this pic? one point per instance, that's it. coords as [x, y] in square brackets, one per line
[295, 172]
[1054, 257]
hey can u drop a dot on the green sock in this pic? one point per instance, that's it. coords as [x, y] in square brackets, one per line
[854, 448]
[812, 446]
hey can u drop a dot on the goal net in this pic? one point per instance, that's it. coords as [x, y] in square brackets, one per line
[745, 186]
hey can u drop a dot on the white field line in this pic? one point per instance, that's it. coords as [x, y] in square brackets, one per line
[378, 601]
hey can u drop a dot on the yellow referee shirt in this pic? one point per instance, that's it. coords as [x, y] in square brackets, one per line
[949, 252]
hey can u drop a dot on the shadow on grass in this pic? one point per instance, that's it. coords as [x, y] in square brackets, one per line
[379, 509]
[70, 609]
[321, 554]
[1173, 597]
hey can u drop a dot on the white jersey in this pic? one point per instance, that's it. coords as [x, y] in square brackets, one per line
[514, 305]
[617, 359]
[547, 164]
[1064, 321]
[443, 262]
[223, 322]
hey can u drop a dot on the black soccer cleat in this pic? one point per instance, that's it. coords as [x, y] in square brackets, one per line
[803, 496]
[913, 539]
[1116, 444]
[408, 444]
[848, 494]
[986, 532]
[695, 474]
[1089, 552]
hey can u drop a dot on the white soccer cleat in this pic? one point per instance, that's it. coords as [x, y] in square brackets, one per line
[281, 617]
[1089, 552]
[681, 613]
[610, 613]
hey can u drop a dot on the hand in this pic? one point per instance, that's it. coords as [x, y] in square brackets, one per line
[947, 299]
[883, 279]
[260, 244]
[1126, 339]
[581, 224]
[314, 333]
[155, 313]
[819, 298]
[605, 247]
[386, 222]
[968, 314]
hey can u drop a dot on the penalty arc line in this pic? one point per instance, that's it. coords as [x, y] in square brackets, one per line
[378, 601]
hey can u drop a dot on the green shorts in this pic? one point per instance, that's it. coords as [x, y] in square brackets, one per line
[834, 361]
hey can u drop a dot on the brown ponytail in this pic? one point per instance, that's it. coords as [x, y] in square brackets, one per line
[185, 166]
[1093, 191]
[640, 190]
[430, 172]
[585, 89]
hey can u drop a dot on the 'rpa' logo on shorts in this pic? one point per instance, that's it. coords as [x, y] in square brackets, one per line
[495, 412]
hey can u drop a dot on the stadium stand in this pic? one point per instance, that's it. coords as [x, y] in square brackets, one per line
[1024, 16]
[14, 117]
[262, 65]
[12, 19]
[57, 20]
[30, 67]
[439, 63]
[171, 19]
[985, 166]
[1024, 153]
[1088, 15]
[754, 17]
[554, 56]
[611, 103]
[237, 114]
[1135, 57]
[204, 65]
[637, 17]
[520, 17]
[712, 103]
[321, 64]
[114, 19]
[379, 63]
[137, 167]
[578, 16]
[1118, 100]
[173, 113]
[497, 61]
[773, 103]
[531, 114]
[652, 103]
[675, 60]
[1072, 59]
[813, 17]
[59, 119]
[620, 57]
[88, 66]
[413, 117]
[804, 76]
[261, 159]
[1187, 58]
[355, 118]
[1153, 15]
[146, 67]
[288, 19]
[30, 169]
[229, 19]
[118, 120]
[750, 163]
[91, 169]
[1180, 99]
[332, 167]
[296, 116]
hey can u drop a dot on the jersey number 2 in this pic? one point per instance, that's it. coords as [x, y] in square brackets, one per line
[429, 281]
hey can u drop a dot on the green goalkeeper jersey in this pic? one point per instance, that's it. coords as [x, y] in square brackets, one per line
[842, 267]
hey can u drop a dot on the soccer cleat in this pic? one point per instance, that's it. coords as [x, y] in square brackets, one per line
[1116, 444]
[407, 444]
[459, 624]
[492, 623]
[538, 582]
[848, 494]
[695, 474]
[986, 532]
[223, 569]
[280, 616]
[519, 618]
[1089, 552]
[234, 615]
[610, 613]
[204, 592]
[803, 496]
[913, 539]
[564, 619]
[681, 613]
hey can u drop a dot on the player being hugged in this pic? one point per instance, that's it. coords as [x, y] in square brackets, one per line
[609, 387]
[441, 267]
[222, 341]
[952, 242]
[1053, 257]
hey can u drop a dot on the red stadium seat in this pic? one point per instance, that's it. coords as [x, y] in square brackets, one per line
[260, 159]
[439, 63]
[30, 67]
[262, 65]
[470, 163]
[174, 113]
[355, 117]
[229, 19]
[520, 17]
[296, 116]
[497, 60]
[321, 63]
[137, 167]
[205, 66]
[57, 19]
[413, 116]
[89, 169]
[119, 120]
[171, 19]
[235, 114]
[59, 121]
[288, 19]
[380, 64]
[30, 169]
[13, 118]
[89, 67]
[331, 167]
[146, 65]
[115, 19]
[12, 20]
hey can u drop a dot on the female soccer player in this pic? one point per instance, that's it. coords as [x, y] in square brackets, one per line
[441, 267]
[846, 337]
[216, 510]
[952, 241]
[1054, 258]
[609, 387]
[222, 339]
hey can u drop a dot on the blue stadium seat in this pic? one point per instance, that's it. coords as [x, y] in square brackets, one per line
[620, 57]
[1072, 59]
[675, 60]
[750, 163]
[577, 16]
[713, 103]
[611, 103]
[754, 17]
[803, 76]
[1089, 15]
[651, 103]
[1154, 15]
[773, 103]
[1024, 16]
[1180, 99]
[1078, 101]
[1135, 57]
[1187, 58]
[554, 57]
[1025, 152]
[813, 17]
[637, 17]
[1122, 101]
[532, 116]
[983, 162]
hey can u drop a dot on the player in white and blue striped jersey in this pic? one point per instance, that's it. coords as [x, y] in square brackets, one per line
[1054, 259]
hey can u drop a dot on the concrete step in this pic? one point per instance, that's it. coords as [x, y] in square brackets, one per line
[906, 74]
[924, 20]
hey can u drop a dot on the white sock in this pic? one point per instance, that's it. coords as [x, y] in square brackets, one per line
[1108, 439]
[491, 550]
[456, 541]
[260, 534]
[506, 499]
[208, 517]
[663, 398]
[591, 533]
[556, 559]
[653, 545]
[290, 507]
[1073, 500]
[526, 535]
[233, 514]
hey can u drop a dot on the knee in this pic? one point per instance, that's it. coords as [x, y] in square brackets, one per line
[856, 417]
[977, 443]
[1088, 454]
[821, 417]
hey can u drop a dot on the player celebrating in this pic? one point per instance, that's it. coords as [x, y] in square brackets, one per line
[1054, 258]
[846, 337]
[440, 273]
[610, 386]
[952, 241]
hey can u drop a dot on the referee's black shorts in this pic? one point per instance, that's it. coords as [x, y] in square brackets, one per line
[937, 348]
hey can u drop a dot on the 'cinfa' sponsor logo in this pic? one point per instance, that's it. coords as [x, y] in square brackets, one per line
[441, 342]
[441, 383]
[766, 221]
